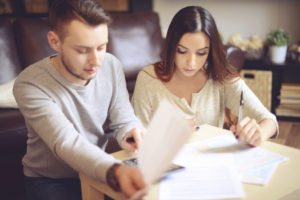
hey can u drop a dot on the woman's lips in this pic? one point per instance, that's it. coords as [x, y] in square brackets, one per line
[189, 70]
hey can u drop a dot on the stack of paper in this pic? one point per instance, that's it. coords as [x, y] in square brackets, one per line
[256, 165]
[212, 174]
[208, 177]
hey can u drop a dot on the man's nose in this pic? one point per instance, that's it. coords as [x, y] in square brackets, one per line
[94, 58]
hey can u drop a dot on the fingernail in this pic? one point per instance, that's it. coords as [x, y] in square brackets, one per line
[130, 140]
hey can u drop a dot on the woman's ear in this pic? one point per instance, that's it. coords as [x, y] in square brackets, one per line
[54, 41]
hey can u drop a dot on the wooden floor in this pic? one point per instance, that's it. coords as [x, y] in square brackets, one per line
[289, 134]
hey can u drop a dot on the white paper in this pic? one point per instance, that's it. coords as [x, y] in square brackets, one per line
[260, 175]
[167, 132]
[208, 177]
[256, 165]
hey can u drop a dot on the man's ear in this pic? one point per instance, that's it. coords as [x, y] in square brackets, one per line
[54, 41]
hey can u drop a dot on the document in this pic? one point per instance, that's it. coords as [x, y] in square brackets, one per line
[260, 175]
[255, 164]
[208, 177]
[167, 132]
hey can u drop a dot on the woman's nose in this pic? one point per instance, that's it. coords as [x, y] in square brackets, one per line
[191, 61]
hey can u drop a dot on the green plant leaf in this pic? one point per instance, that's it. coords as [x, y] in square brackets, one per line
[278, 37]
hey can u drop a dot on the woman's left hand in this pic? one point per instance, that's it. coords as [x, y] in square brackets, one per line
[248, 131]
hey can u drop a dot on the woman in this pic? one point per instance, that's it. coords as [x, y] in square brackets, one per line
[195, 75]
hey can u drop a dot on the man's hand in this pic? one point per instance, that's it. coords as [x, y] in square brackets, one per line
[248, 131]
[132, 140]
[126, 179]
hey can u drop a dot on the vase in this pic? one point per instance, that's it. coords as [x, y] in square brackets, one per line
[278, 54]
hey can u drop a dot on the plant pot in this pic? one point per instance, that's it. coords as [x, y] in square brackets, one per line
[277, 54]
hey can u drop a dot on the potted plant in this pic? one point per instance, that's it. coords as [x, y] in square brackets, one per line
[278, 40]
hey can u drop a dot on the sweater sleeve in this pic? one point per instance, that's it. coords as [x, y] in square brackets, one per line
[121, 114]
[141, 99]
[44, 117]
[253, 107]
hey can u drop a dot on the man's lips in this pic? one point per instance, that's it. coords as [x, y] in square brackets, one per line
[91, 70]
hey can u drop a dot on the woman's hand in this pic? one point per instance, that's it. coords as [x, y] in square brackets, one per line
[248, 131]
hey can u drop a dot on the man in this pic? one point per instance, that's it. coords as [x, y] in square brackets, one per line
[66, 99]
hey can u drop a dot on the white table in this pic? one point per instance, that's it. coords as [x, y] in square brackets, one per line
[284, 184]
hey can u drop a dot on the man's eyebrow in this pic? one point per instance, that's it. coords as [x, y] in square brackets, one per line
[88, 47]
[204, 48]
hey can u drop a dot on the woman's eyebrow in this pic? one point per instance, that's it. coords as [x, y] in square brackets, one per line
[204, 48]
[182, 46]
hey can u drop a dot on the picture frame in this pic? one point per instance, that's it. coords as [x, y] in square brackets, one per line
[5, 7]
[36, 6]
[115, 5]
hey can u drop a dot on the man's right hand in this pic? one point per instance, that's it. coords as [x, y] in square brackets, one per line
[130, 180]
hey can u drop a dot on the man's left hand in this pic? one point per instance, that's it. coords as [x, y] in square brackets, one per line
[132, 140]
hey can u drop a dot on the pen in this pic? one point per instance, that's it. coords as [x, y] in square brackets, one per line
[241, 108]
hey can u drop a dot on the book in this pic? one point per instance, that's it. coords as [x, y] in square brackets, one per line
[287, 112]
[290, 86]
[291, 101]
[289, 106]
[290, 93]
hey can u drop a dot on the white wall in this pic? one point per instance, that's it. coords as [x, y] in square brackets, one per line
[247, 17]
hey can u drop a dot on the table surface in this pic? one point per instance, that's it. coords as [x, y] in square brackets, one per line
[284, 184]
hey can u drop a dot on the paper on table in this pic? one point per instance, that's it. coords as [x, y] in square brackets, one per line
[255, 164]
[167, 132]
[209, 177]
[260, 175]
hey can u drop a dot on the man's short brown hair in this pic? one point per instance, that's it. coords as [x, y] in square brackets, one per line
[62, 12]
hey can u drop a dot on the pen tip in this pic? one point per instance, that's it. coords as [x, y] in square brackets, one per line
[242, 98]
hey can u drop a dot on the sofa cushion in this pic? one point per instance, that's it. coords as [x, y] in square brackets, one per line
[9, 59]
[9, 68]
[7, 99]
[31, 34]
[12, 149]
[136, 40]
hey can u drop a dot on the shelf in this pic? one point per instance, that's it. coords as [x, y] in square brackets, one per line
[265, 64]
[288, 118]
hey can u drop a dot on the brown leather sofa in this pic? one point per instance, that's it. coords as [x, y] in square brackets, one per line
[135, 39]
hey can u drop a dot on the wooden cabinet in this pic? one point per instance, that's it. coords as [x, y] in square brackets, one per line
[288, 72]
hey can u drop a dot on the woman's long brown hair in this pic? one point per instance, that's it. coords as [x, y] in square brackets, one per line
[194, 19]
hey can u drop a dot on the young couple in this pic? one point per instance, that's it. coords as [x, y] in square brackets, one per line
[66, 98]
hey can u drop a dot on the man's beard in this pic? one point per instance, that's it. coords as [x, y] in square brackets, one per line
[69, 69]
